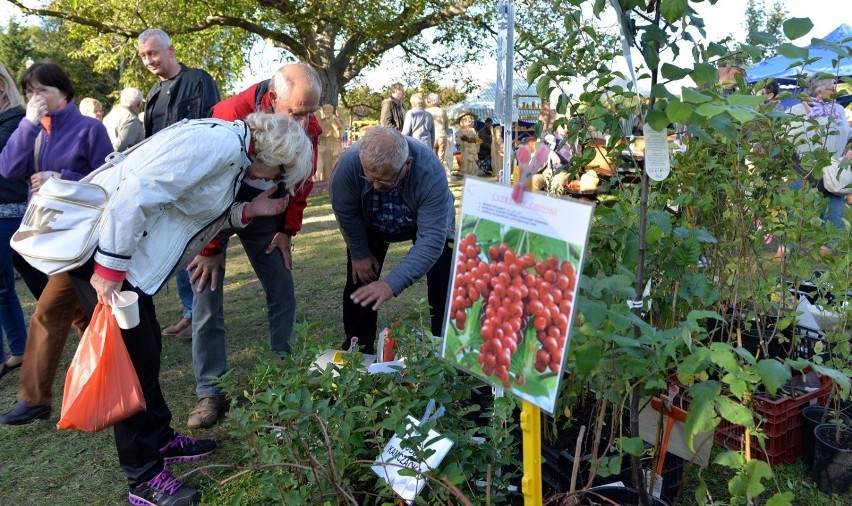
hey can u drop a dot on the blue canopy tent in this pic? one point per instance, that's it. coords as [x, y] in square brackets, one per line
[821, 59]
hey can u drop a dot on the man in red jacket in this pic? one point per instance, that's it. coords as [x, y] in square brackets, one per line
[294, 90]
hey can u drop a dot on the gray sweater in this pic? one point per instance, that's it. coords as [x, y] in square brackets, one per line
[424, 189]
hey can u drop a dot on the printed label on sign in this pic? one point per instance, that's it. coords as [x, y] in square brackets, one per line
[657, 161]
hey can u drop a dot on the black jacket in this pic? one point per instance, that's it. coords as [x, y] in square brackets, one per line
[192, 96]
[12, 191]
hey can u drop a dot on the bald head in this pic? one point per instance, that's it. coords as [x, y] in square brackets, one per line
[295, 91]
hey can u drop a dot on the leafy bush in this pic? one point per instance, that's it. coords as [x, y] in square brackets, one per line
[311, 435]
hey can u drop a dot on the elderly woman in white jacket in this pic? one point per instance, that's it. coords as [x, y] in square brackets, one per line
[167, 199]
[822, 125]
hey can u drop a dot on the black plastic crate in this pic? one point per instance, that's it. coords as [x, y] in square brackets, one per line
[673, 467]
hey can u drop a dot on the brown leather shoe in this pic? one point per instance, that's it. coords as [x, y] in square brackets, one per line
[186, 332]
[182, 324]
[207, 411]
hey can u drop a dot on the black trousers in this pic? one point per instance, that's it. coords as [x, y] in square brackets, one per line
[361, 321]
[139, 438]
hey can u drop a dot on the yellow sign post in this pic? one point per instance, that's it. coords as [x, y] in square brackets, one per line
[531, 430]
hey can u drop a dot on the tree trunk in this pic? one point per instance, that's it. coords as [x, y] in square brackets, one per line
[330, 85]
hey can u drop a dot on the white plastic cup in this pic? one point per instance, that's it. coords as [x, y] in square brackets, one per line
[125, 308]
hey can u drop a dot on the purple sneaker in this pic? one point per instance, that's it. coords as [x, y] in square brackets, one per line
[163, 490]
[185, 449]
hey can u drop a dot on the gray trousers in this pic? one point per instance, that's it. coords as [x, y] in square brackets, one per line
[209, 356]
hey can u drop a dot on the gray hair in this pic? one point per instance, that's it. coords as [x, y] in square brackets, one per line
[283, 83]
[130, 96]
[11, 94]
[816, 83]
[417, 100]
[383, 147]
[162, 36]
[280, 140]
[433, 99]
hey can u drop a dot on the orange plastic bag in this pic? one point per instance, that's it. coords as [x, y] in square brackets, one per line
[101, 387]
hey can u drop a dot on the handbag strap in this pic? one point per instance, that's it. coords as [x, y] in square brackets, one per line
[37, 150]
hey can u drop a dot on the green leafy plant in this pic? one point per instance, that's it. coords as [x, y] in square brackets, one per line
[312, 435]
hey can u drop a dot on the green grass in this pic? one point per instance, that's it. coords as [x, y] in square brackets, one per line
[40, 465]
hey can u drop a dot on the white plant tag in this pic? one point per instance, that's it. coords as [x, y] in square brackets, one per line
[394, 458]
[657, 160]
[658, 482]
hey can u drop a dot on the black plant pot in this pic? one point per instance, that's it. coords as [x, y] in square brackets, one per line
[832, 462]
[811, 417]
[619, 495]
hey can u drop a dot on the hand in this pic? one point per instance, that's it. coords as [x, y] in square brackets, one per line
[365, 270]
[262, 205]
[105, 289]
[848, 155]
[282, 241]
[38, 179]
[376, 293]
[36, 109]
[204, 269]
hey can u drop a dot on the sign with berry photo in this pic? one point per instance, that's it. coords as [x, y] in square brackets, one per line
[514, 283]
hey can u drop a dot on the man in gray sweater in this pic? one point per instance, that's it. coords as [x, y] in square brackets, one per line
[390, 188]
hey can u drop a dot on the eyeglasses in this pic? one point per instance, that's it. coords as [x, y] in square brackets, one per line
[42, 90]
[388, 184]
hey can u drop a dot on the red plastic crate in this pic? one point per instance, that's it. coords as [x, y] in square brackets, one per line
[780, 420]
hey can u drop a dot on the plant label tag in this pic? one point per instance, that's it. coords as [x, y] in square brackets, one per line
[658, 482]
[657, 161]
[397, 462]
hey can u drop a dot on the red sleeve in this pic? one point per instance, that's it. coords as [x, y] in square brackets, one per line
[213, 248]
[237, 107]
[292, 222]
[109, 274]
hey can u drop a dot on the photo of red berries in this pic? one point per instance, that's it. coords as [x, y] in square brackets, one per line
[512, 295]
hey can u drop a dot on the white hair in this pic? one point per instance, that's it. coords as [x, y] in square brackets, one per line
[130, 96]
[162, 36]
[281, 141]
[283, 80]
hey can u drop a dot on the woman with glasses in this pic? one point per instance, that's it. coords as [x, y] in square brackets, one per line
[53, 140]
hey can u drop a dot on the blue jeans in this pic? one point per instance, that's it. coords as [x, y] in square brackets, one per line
[833, 211]
[11, 315]
[184, 290]
[209, 356]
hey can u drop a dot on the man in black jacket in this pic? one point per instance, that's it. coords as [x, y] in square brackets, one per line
[182, 93]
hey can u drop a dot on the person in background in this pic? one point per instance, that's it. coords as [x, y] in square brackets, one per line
[13, 203]
[154, 223]
[122, 122]
[92, 108]
[729, 68]
[181, 93]
[294, 91]
[831, 132]
[770, 92]
[442, 123]
[393, 112]
[53, 140]
[391, 188]
[485, 134]
[418, 123]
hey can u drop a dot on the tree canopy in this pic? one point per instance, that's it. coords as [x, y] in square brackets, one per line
[340, 40]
